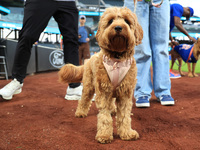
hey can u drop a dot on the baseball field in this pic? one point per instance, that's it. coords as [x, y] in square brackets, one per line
[41, 119]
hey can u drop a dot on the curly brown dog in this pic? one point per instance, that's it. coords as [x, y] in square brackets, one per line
[188, 53]
[117, 35]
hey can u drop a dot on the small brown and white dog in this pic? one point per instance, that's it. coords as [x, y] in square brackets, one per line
[188, 53]
[111, 74]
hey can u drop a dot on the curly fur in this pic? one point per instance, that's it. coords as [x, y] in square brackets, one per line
[114, 44]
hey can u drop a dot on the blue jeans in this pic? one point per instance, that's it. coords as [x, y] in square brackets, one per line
[154, 48]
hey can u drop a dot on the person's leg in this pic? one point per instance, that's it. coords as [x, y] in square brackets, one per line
[173, 59]
[36, 16]
[142, 55]
[67, 18]
[86, 52]
[80, 50]
[159, 37]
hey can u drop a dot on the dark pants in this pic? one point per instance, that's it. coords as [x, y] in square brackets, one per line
[37, 14]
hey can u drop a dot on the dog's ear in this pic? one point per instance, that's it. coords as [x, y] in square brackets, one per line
[138, 32]
[97, 36]
[198, 40]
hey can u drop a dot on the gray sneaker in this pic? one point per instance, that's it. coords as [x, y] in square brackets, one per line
[12, 88]
[74, 93]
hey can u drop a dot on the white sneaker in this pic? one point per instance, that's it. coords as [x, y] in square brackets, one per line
[14, 87]
[74, 93]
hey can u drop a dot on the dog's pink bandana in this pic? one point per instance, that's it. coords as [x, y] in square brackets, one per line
[116, 69]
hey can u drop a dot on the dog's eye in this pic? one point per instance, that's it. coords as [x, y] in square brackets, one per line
[109, 22]
[127, 21]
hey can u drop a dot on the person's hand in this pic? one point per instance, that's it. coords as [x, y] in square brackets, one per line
[87, 39]
[174, 43]
[157, 5]
[192, 39]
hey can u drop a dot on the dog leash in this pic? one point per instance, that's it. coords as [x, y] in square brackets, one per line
[135, 4]
[190, 54]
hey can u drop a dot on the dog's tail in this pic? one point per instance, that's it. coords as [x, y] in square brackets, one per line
[71, 74]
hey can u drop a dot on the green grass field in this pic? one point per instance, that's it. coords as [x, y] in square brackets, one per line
[185, 67]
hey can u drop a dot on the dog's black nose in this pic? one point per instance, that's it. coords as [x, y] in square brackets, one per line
[118, 28]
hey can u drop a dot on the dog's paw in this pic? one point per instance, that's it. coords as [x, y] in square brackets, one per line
[182, 74]
[104, 139]
[79, 114]
[195, 75]
[190, 75]
[130, 135]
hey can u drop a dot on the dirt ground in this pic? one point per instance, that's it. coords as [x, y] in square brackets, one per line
[41, 119]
